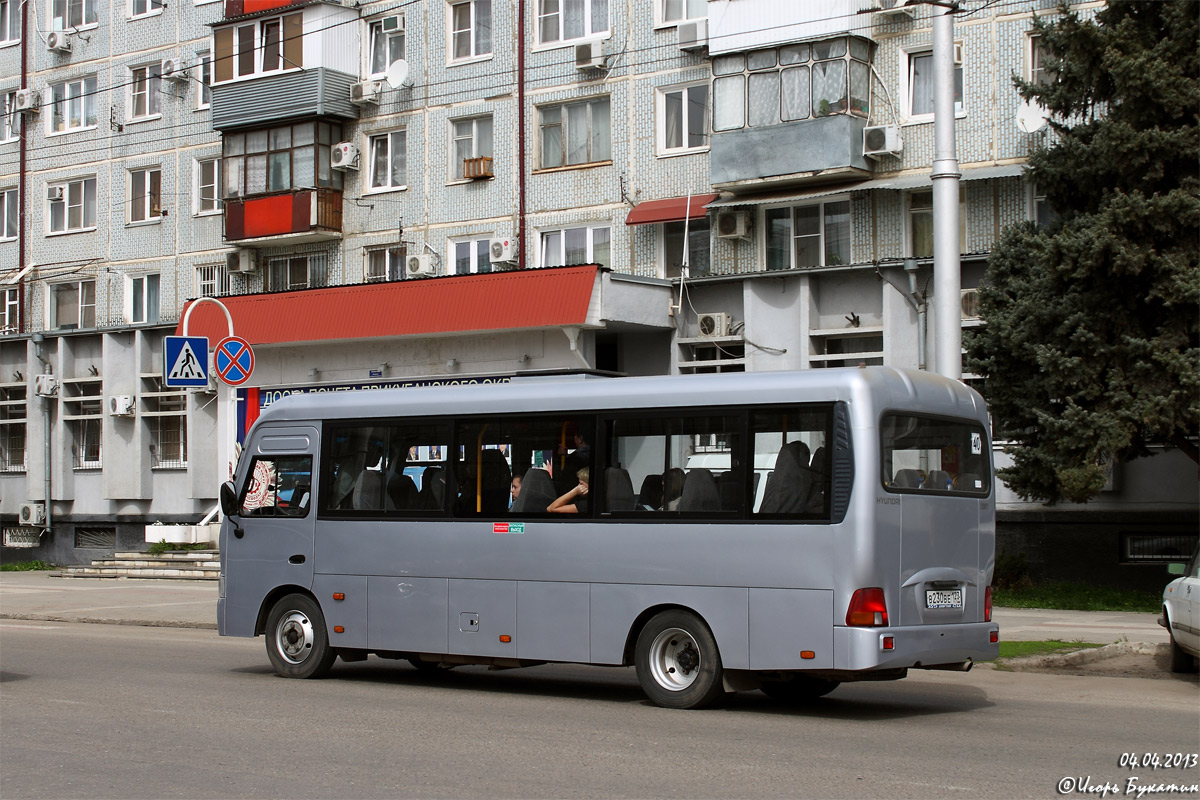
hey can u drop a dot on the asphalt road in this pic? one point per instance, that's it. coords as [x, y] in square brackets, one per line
[116, 711]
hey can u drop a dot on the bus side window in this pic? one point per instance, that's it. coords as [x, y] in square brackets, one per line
[278, 487]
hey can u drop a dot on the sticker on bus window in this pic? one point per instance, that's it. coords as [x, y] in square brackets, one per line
[976, 444]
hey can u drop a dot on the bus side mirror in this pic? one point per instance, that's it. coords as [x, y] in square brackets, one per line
[1176, 569]
[229, 503]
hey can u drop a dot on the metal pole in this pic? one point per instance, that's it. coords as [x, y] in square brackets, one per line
[947, 279]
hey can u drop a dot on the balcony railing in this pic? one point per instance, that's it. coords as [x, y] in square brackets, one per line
[303, 213]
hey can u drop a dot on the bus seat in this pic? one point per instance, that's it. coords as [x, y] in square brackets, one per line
[650, 496]
[618, 490]
[673, 480]
[497, 478]
[537, 492]
[402, 493]
[433, 488]
[790, 485]
[368, 491]
[818, 461]
[729, 488]
[937, 480]
[700, 492]
[907, 478]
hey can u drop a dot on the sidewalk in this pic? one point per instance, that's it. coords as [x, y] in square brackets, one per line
[193, 604]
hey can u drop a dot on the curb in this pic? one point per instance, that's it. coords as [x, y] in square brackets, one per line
[1081, 657]
[145, 623]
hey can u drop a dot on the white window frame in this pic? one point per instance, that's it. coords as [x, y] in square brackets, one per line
[10, 121]
[1037, 204]
[81, 307]
[665, 18]
[388, 141]
[472, 140]
[550, 14]
[256, 48]
[145, 83]
[77, 98]
[206, 197]
[87, 432]
[820, 237]
[203, 76]
[375, 31]
[471, 32]
[10, 311]
[9, 223]
[314, 263]
[143, 298]
[546, 241]
[142, 202]
[698, 230]
[72, 14]
[564, 135]
[907, 80]
[910, 209]
[1035, 71]
[686, 92]
[10, 22]
[393, 261]
[212, 280]
[75, 195]
[149, 8]
[476, 249]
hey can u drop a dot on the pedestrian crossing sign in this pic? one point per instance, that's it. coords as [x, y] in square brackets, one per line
[185, 362]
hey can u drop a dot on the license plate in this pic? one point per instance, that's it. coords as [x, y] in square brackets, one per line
[942, 598]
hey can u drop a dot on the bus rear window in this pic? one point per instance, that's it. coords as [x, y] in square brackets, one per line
[930, 454]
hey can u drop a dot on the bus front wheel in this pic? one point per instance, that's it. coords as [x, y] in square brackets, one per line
[297, 640]
[677, 661]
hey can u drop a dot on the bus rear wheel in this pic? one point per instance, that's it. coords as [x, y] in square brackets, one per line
[677, 661]
[297, 640]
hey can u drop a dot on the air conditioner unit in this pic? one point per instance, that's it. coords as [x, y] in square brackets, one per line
[344, 156]
[420, 266]
[173, 70]
[58, 42]
[365, 92]
[893, 7]
[120, 405]
[589, 55]
[502, 251]
[713, 325]
[33, 513]
[27, 100]
[882, 140]
[970, 304]
[54, 194]
[693, 35]
[733, 225]
[392, 24]
[45, 385]
[241, 262]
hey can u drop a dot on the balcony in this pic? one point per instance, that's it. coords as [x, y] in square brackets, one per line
[240, 8]
[304, 215]
[267, 100]
[794, 153]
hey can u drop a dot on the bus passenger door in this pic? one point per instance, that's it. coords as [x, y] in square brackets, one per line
[271, 544]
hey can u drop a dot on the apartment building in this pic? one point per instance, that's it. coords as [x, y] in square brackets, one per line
[415, 191]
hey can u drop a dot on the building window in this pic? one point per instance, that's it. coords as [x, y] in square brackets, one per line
[278, 159]
[12, 428]
[164, 410]
[1042, 212]
[83, 408]
[796, 82]
[575, 133]
[471, 29]
[295, 272]
[698, 249]
[74, 305]
[143, 298]
[259, 46]
[10, 21]
[10, 312]
[144, 8]
[208, 189]
[384, 264]
[145, 194]
[683, 119]
[1038, 73]
[471, 256]
[921, 83]
[204, 78]
[566, 20]
[571, 246]
[847, 351]
[72, 205]
[10, 122]
[85, 447]
[387, 44]
[212, 280]
[472, 145]
[808, 236]
[73, 105]
[66, 14]
[8, 213]
[389, 161]
[145, 99]
[670, 12]
[920, 223]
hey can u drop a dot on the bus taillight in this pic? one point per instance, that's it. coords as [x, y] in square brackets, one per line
[987, 605]
[867, 609]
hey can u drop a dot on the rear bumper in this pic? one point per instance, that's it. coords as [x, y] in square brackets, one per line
[916, 646]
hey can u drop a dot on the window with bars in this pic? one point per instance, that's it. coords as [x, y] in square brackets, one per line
[212, 280]
[83, 409]
[13, 404]
[96, 538]
[164, 412]
[384, 264]
[847, 351]
[296, 272]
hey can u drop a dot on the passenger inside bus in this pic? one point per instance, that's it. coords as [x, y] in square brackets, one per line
[574, 501]
[537, 492]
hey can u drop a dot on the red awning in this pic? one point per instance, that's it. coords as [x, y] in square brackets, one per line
[494, 301]
[672, 209]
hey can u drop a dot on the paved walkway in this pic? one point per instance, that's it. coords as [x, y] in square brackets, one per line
[193, 604]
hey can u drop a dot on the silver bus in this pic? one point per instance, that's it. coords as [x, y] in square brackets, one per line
[783, 531]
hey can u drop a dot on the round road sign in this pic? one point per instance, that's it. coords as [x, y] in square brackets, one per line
[234, 360]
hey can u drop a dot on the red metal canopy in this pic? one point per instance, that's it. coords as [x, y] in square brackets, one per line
[672, 209]
[456, 304]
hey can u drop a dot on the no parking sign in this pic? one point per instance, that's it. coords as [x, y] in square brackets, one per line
[234, 360]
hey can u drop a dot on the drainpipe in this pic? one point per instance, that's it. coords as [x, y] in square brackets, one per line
[37, 344]
[913, 297]
[22, 193]
[521, 134]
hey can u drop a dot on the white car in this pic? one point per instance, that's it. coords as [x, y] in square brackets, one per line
[1181, 614]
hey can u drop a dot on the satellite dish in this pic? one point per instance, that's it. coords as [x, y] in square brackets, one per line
[397, 75]
[1030, 117]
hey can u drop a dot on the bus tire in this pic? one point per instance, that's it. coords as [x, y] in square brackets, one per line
[677, 661]
[799, 689]
[297, 640]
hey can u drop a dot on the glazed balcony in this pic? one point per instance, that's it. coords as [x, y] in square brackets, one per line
[303, 215]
